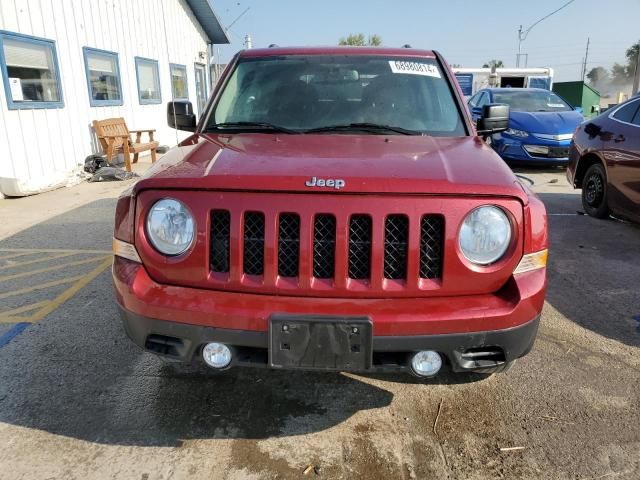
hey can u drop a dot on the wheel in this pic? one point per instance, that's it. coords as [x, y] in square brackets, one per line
[594, 192]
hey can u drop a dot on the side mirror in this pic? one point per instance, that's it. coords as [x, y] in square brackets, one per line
[180, 115]
[494, 119]
[579, 109]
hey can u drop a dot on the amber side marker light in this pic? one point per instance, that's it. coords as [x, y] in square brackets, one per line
[125, 250]
[532, 261]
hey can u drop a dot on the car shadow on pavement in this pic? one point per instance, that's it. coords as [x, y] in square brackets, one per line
[593, 271]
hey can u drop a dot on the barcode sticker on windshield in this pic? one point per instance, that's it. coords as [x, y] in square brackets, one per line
[555, 105]
[414, 68]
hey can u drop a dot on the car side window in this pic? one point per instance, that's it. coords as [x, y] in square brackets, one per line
[483, 100]
[627, 112]
[473, 101]
[636, 119]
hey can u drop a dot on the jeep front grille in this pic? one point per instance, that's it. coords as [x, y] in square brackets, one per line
[342, 249]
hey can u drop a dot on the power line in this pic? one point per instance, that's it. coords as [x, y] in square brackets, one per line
[522, 35]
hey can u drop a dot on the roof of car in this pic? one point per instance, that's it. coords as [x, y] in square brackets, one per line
[511, 89]
[337, 50]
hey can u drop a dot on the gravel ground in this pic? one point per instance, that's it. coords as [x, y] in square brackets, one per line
[78, 400]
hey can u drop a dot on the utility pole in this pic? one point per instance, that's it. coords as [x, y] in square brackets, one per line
[586, 56]
[522, 35]
[519, 46]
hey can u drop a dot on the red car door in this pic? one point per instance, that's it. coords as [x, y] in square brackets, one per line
[621, 150]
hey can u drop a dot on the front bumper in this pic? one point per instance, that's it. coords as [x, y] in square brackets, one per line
[176, 321]
[475, 351]
[513, 150]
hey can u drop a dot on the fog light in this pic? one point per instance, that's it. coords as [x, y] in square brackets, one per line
[426, 363]
[216, 355]
[537, 149]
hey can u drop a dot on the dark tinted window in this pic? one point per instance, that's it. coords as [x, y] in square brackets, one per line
[304, 92]
[473, 101]
[636, 119]
[525, 100]
[626, 113]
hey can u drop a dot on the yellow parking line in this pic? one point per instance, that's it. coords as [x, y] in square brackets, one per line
[41, 286]
[26, 308]
[14, 320]
[15, 255]
[49, 269]
[51, 250]
[43, 259]
[70, 292]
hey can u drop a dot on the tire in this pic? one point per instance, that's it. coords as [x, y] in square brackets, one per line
[594, 192]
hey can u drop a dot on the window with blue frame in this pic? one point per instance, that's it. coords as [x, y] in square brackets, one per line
[30, 71]
[103, 77]
[179, 87]
[148, 81]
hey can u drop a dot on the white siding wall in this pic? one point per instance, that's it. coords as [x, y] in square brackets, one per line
[40, 146]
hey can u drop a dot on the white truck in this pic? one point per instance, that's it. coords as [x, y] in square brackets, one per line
[473, 79]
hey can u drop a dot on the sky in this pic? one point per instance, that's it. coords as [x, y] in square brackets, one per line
[468, 33]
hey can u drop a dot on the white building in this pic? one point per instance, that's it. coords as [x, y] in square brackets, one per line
[65, 63]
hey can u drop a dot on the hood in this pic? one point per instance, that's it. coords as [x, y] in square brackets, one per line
[355, 164]
[554, 123]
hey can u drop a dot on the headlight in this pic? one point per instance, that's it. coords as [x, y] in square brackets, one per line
[485, 235]
[516, 133]
[170, 227]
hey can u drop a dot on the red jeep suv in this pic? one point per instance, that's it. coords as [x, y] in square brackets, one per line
[334, 209]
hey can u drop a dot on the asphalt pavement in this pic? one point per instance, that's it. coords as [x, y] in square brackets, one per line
[78, 400]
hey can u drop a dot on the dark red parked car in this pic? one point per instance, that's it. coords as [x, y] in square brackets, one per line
[605, 162]
[335, 209]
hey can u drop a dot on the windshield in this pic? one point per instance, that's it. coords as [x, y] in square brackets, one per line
[308, 92]
[531, 101]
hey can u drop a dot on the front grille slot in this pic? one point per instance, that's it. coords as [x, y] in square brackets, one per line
[431, 246]
[253, 258]
[360, 247]
[324, 246]
[396, 245]
[288, 245]
[219, 243]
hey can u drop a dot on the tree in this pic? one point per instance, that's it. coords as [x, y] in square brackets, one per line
[620, 74]
[359, 40]
[493, 63]
[598, 75]
[623, 74]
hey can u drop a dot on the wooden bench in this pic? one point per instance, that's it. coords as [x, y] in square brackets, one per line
[114, 137]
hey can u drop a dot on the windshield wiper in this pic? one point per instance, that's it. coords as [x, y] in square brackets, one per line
[251, 126]
[367, 127]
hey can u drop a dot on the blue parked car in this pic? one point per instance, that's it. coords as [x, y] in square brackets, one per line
[541, 125]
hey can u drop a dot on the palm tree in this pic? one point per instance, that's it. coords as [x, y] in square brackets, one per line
[493, 63]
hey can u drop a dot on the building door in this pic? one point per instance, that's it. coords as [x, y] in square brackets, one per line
[201, 87]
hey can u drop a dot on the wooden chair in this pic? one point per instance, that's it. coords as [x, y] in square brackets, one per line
[114, 137]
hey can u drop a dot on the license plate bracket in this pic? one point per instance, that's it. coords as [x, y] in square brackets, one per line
[320, 343]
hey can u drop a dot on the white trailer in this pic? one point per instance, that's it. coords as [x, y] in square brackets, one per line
[473, 79]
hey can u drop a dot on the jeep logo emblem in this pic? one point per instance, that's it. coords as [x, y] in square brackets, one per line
[336, 183]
